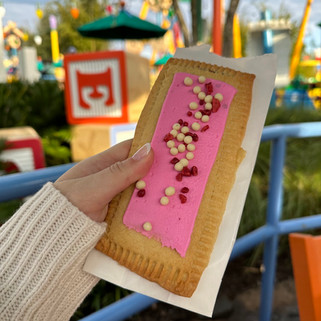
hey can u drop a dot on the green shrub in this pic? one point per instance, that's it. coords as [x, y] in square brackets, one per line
[56, 145]
[41, 106]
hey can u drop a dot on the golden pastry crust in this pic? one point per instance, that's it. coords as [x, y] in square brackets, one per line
[147, 257]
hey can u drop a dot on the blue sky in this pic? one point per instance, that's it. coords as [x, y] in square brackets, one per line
[23, 12]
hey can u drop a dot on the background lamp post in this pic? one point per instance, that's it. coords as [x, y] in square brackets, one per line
[54, 38]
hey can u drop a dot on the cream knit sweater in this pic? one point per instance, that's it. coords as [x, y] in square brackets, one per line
[42, 251]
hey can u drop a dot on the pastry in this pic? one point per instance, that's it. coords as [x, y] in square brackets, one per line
[164, 227]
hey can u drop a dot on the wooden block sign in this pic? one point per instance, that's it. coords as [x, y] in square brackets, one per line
[23, 149]
[96, 88]
[306, 262]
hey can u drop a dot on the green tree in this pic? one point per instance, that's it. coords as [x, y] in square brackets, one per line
[68, 35]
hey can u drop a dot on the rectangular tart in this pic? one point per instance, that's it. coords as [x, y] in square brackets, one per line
[175, 248]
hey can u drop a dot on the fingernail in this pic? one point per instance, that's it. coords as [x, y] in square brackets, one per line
[142, 152]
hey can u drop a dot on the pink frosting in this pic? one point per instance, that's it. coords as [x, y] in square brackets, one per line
[172, 224]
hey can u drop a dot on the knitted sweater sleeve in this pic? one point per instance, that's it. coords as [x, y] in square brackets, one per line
[42, 251]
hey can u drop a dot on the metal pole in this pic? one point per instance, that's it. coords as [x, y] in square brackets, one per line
[122, 309]
[250, 240]
[267, 33]
[299, 43]
[274, 211]
[217, 27]
[19, 185]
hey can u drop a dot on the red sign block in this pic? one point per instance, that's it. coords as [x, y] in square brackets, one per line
[96, 88]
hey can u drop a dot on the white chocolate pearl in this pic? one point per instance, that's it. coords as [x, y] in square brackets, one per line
[170, 144]
[189, 155]
[208, 106]
[181, 148]
[140, 184]
[147, 226]
[176, 126]
[219, 96]
[198, 115]
[208, 98]
[169, 191]
[201, 79]
[184, 129]
[164, 200]
[196, 89]
[184, 162]
[188, 139]
[180, 137]
[196, 126]
[174, 151]
[205, 119]
[201, 95]
[188, 81]
[178, 166]
[174, 132]
[190, 147]
[193, 105]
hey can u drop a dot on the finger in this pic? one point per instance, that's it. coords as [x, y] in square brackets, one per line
[98, 162]
[122, 174]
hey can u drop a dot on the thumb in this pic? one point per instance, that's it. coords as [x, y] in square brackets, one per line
[120, 175]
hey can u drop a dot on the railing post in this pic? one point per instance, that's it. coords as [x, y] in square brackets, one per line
[19, 185]
[274, 210]
[122, 309]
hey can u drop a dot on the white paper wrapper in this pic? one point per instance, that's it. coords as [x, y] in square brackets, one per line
[203, 299]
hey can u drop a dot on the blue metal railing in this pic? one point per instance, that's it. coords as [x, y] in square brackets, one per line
[20, 185]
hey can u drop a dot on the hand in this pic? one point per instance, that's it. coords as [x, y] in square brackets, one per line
[91, 184]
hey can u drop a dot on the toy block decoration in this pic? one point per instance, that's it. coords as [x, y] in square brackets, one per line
[96, 87]
[306, 262]
[90, 139]
[23, 149]
[120, 133]
[138, 84]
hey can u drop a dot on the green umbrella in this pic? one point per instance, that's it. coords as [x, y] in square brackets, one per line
[122, 26]
[163, 60]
